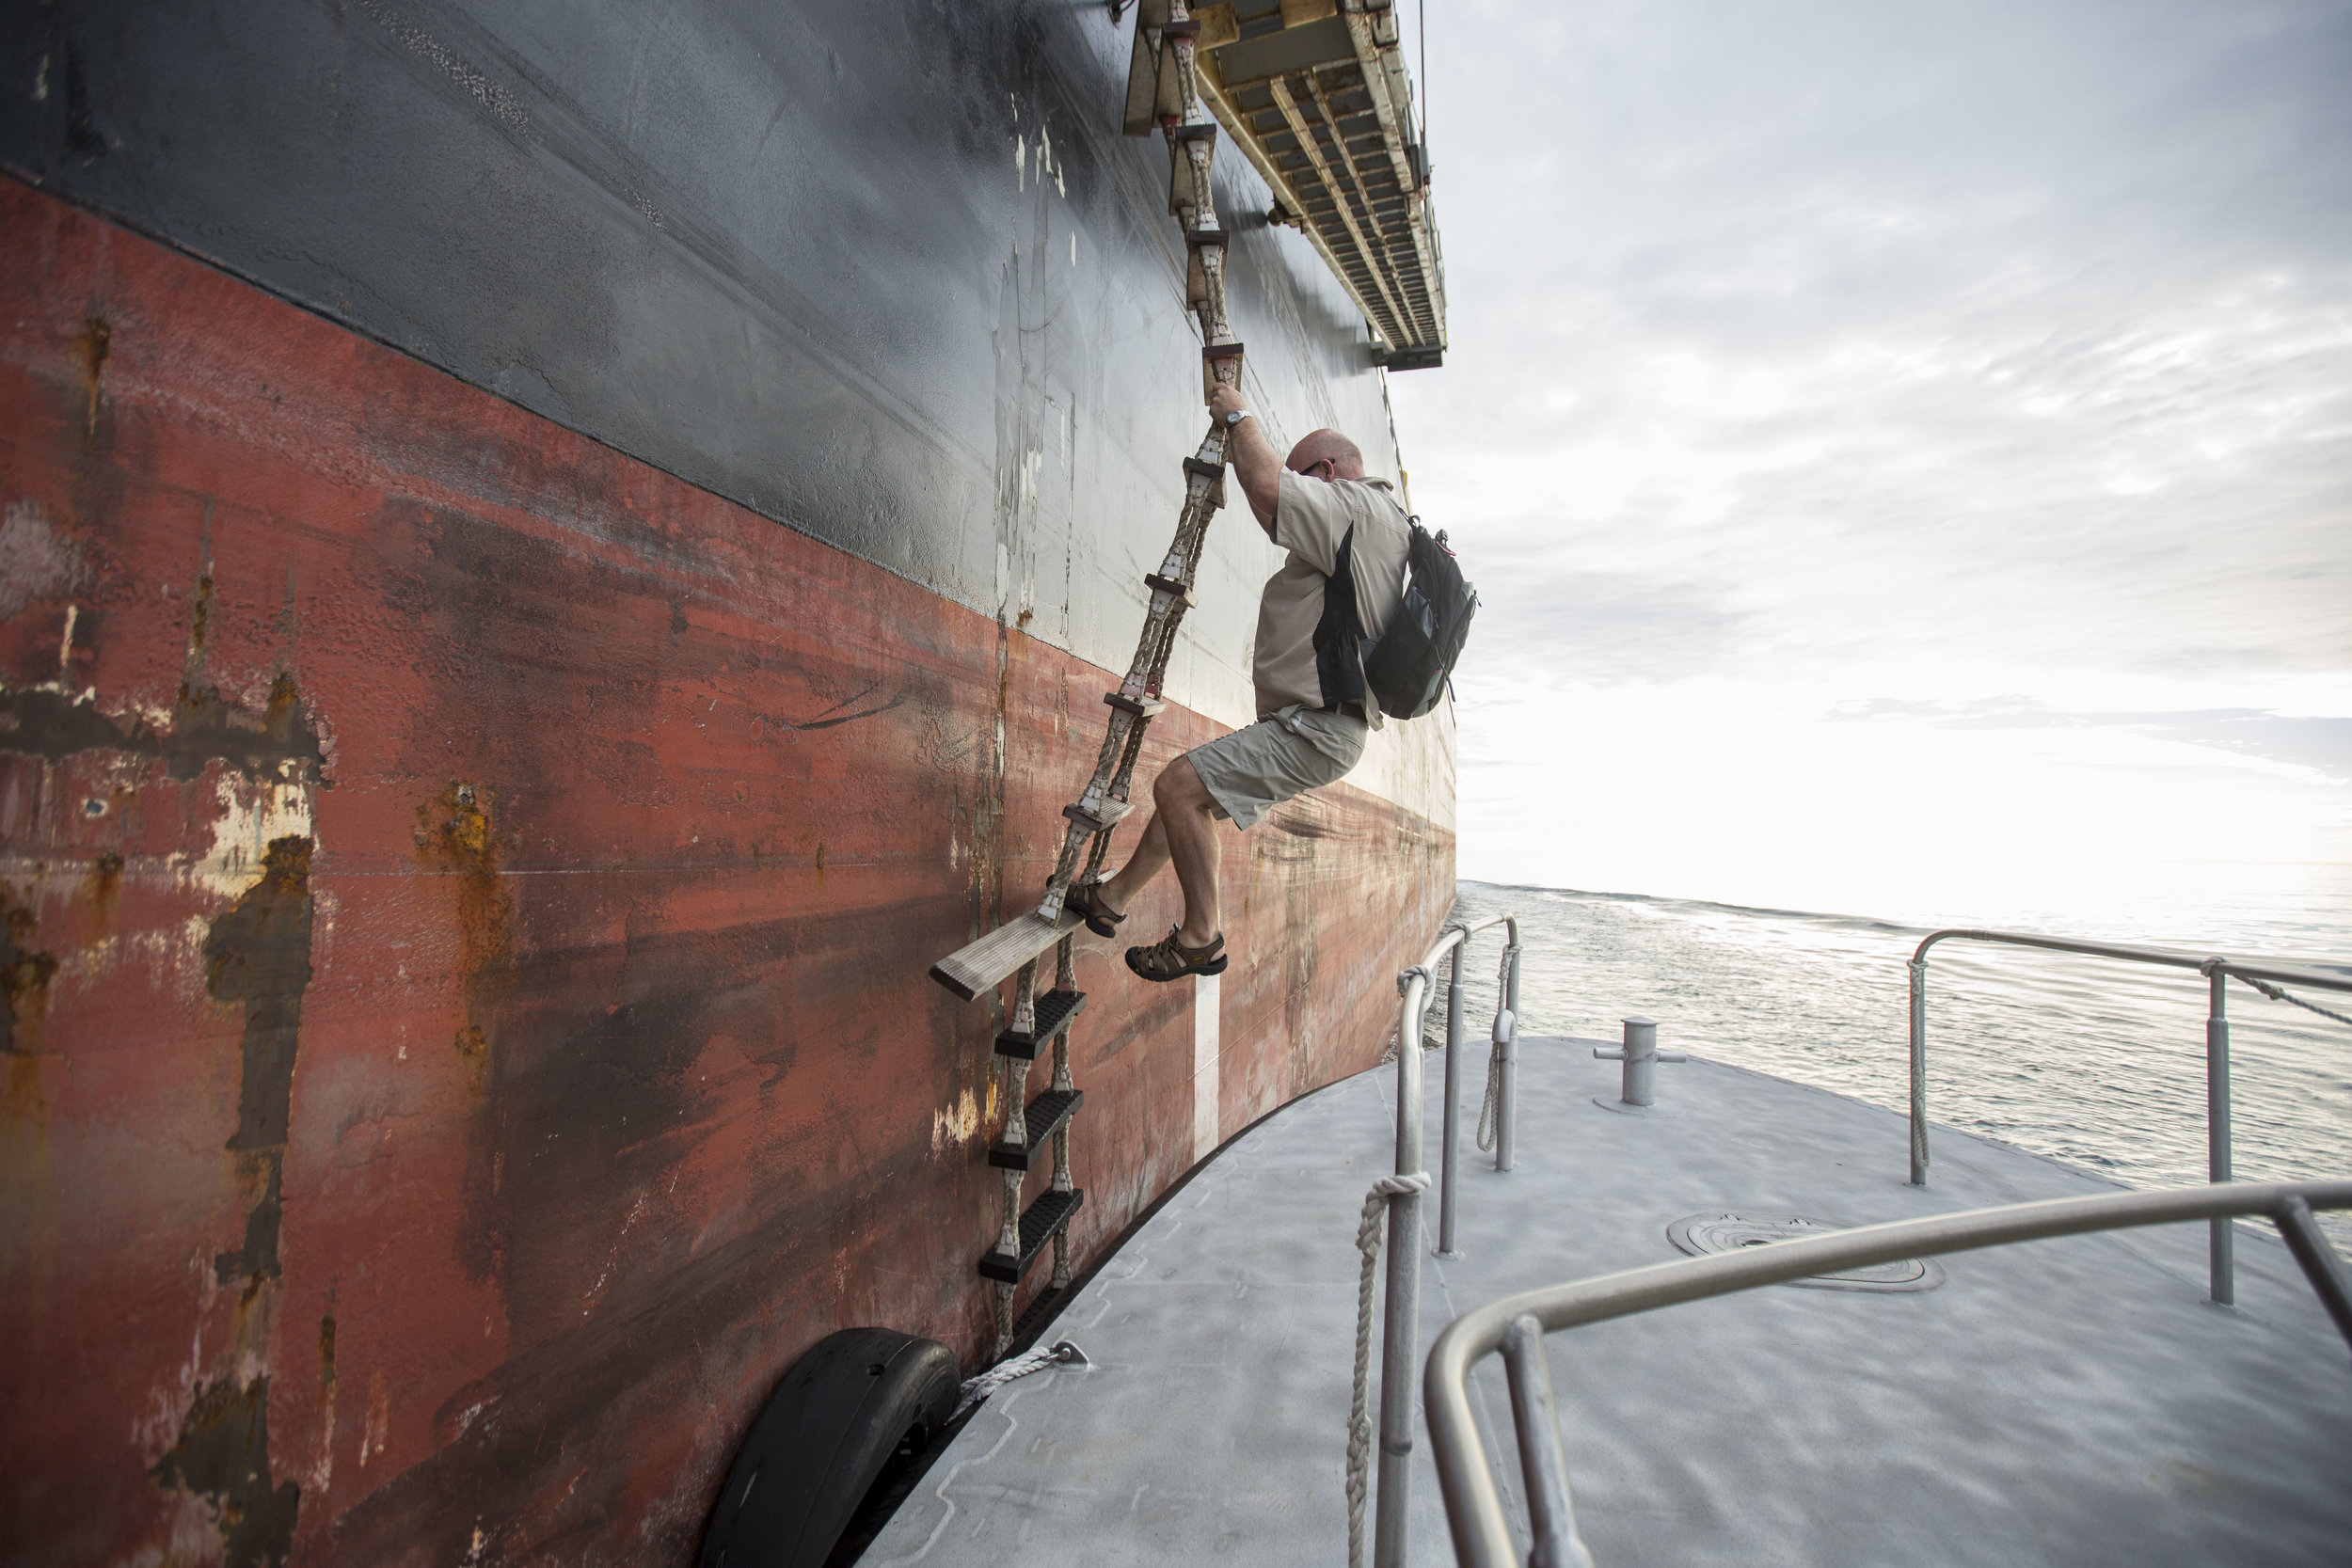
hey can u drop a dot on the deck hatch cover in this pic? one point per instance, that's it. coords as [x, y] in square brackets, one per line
[1701, 1234]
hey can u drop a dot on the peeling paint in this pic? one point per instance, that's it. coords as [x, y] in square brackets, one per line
[324, 1470]
[279, 744]
[222, 1456]
[259, 954]
[956, 1124]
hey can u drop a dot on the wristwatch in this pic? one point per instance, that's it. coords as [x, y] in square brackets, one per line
[1236, 418]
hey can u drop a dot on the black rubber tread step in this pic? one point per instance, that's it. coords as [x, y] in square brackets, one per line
[1221, 351]
[1206, 470]
[1196, 238]
[1144, 709]
[1046, 1115]
[1159, 584]
[1054, 1009]
[1039, 1221]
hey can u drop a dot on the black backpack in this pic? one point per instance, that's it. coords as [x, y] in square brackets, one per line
[1406, 667]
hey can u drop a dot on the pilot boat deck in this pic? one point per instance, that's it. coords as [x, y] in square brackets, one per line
[2062, 1401]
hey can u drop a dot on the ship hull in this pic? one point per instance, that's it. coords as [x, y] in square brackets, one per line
[470, 892]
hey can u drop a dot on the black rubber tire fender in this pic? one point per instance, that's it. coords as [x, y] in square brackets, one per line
[832, 1424]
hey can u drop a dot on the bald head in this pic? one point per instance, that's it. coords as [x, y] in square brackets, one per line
[1328, 445]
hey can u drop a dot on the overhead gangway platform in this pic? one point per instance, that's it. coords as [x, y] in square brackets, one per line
[1315, 94]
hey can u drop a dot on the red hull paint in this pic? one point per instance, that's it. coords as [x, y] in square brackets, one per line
[477, 1157]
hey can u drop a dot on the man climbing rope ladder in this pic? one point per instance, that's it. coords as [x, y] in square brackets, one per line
[1314, 710]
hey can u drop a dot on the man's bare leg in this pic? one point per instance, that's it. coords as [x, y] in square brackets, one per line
[1118, 889]
[1182, 830]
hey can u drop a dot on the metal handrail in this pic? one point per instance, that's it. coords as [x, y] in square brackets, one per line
[2221, 1268]
[1515, 1326]
[1401, 1306]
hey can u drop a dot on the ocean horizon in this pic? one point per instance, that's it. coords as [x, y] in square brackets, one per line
[2099, 1062]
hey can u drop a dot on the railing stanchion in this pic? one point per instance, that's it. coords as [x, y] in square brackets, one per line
[2222, 1240]
[1400, 1312]
[1551, 1515]
[1508, 1104]
[1919, 1072]
[1453, 1133]
[1401, 1317]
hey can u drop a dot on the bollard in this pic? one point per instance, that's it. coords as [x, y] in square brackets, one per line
[1641, 1056]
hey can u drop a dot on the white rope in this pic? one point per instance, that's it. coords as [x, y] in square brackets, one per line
[1487, 1111]
[1061, 1351]
[1359, 1415]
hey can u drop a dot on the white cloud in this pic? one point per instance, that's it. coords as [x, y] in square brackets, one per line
[1847, 353]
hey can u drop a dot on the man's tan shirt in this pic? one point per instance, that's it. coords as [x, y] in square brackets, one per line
[1311, 518]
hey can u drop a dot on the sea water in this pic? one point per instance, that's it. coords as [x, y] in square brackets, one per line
[2098, 1063]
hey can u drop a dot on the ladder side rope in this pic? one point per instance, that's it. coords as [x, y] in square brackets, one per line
[1191, 138]
[1359, 1413]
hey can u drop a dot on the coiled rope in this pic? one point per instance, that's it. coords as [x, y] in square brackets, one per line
[1360, 1416]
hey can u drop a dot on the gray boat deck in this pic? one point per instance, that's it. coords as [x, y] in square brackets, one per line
[2064, 1401]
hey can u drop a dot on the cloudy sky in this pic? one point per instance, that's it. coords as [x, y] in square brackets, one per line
[1905, 449]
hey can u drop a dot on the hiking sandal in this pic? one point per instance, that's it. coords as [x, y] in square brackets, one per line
[1170, 960]
[1086, 897]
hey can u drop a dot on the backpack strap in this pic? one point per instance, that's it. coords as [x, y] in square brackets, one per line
[1339, 634]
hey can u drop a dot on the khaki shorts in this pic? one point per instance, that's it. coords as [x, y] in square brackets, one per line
[1296, 750]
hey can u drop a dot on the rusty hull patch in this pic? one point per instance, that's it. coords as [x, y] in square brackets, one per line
[25, 977]
[703, 1059]
[454, 832]
[43, 722]
[257, 954]
[223, 1457]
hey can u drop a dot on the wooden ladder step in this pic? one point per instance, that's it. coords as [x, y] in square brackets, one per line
[1039, 1221]
[985, 964]
[1046, 1115]
[1113, 811]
